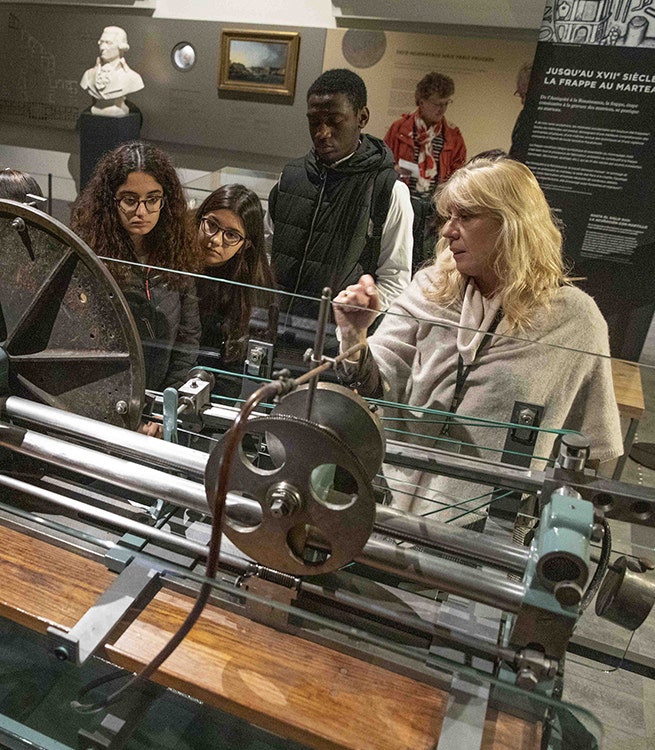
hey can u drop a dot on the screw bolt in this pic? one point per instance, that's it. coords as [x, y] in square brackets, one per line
[526, 416]
[526, 679]
[284, 500]
[567, 593]
[121, 407]
[61, 653]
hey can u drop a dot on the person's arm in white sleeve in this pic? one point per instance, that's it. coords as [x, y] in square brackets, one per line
[269, 226]
[394, 270]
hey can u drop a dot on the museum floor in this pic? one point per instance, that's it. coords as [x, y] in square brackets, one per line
[623, 701]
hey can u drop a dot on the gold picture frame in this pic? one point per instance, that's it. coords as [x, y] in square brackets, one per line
[259, 62]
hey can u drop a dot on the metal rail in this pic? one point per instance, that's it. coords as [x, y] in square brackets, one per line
[187, 493]
[488, 587]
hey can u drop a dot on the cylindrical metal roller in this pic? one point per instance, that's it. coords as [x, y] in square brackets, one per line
[627, 594]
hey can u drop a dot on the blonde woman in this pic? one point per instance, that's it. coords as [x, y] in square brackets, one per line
[493, 321]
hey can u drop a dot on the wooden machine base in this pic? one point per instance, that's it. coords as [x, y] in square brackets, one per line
[291, 687]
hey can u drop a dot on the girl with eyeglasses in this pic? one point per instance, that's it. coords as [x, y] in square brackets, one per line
[133, 210]
[230, 235]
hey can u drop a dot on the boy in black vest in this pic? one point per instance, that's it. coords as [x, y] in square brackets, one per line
[339, 211]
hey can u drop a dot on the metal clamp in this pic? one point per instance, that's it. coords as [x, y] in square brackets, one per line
[259, 362]
[274, 587]
[136, 584]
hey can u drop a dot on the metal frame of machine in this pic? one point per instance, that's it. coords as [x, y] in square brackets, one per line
[308, 553]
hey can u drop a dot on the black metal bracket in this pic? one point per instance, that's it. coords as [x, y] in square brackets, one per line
[518, 450]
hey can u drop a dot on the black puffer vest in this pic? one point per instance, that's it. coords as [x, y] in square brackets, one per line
[325, 233]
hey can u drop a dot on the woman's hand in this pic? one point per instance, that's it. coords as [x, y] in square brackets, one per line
[151, 429]
[349, 315]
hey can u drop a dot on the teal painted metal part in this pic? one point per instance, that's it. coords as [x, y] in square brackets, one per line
[559, 552]
[170, 406]
[4, 372]
[557, 570]
[567, 523]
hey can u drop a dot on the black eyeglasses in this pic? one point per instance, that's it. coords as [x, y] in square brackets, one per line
[129, 204]
[210, 227]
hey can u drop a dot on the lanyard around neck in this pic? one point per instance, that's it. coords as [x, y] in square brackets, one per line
[463, 373]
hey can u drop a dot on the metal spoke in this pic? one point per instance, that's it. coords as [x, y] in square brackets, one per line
[32, 332]
[69, 338]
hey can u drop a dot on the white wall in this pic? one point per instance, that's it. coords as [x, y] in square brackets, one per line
[511, 14]
[316, 13]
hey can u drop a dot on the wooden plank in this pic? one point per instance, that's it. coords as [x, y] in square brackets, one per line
[628, 388]
[297, 689]
[42, 585]
[505, 731]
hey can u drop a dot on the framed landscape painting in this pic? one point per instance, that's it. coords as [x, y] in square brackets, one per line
[259, 62]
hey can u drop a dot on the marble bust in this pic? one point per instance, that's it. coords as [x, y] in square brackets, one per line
[111, 79]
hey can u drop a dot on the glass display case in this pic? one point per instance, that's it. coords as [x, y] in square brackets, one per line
[386, 574]
[258, 181]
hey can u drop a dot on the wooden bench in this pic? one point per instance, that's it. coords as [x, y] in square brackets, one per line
[630, 400]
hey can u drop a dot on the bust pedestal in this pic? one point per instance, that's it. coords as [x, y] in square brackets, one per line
[111, 107]
[99, 134]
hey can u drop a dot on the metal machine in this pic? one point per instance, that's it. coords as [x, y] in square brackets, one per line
[152, 555]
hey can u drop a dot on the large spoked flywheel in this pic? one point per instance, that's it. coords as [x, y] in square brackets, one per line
[68, 339]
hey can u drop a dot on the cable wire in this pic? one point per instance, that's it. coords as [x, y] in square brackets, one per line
[233, 437]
